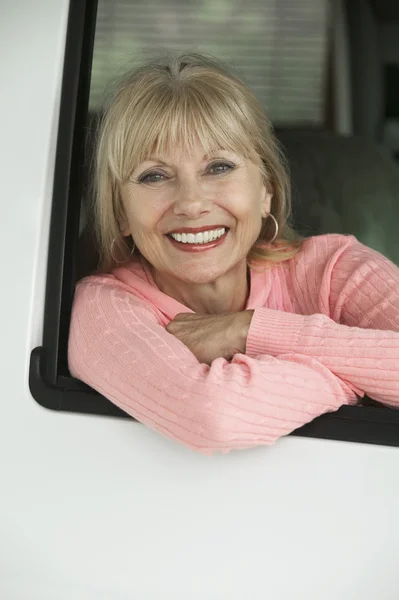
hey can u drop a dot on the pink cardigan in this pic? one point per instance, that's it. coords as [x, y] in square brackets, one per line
[325, 330]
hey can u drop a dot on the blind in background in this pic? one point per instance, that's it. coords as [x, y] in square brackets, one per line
[278, 46]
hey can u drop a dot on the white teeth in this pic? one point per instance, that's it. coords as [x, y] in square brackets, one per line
[199, 238]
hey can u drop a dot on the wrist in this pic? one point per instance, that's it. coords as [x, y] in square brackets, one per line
[241, 328]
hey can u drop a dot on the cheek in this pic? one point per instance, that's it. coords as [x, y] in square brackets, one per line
[242, 199]
[144, 214]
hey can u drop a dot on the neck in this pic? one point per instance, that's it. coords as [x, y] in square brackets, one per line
[227, 294]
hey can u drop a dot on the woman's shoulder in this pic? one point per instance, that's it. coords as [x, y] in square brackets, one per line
[309, 249]
[316, 263]
[329, 248]
[327, 243]
[326, 249]
[93, 286]
[127, 288]
[130, 279]
[130, 274]
[333, 259]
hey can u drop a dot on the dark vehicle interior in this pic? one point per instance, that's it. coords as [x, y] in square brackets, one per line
[345, 177]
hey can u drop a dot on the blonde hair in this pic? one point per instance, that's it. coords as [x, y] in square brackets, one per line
[183, 99]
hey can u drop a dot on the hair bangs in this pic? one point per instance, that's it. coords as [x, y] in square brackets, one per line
[182, 119]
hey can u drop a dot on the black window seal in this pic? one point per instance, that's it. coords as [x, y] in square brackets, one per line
[49, 381]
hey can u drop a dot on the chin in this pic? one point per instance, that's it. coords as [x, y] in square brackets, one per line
[199, 274]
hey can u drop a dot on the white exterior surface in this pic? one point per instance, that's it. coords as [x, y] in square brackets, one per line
[97, 508]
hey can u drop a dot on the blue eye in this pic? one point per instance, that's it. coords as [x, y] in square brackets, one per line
[152, 177]
[220, 168]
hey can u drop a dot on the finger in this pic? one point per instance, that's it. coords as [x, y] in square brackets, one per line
[183, 316]
[174, 328]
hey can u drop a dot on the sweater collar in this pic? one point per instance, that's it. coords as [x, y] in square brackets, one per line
[137, 275]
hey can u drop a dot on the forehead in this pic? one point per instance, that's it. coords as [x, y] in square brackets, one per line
[173, 137]
[181, 154]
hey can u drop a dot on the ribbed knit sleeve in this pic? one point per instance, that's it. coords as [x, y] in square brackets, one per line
[118, 348]
[360, 343]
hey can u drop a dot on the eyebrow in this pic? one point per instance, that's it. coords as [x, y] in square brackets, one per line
[159, 160]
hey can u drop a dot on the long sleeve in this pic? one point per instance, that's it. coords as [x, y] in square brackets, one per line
[118, 347]
[360, 343]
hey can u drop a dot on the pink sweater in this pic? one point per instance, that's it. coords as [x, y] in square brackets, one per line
[325, 329]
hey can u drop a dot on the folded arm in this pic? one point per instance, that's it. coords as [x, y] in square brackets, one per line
[360, 344]
[117, 347]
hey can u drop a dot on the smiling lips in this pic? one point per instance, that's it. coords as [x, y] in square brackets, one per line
[199, 238]
[192, 240]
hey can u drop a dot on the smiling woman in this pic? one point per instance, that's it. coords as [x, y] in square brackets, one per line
[183, 195]
[209, 319]
[189, 113]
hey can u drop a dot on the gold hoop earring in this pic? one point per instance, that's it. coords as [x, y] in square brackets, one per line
[112, 252]
[276, 226]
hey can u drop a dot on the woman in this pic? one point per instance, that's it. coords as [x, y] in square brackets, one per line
[209, 319]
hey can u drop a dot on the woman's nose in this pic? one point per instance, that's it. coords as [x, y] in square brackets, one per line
[191, 200]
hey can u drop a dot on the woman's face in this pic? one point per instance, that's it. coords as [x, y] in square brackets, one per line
[181, 193]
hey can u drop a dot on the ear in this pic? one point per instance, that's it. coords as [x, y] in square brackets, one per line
[123, 222]
[266, 199]
[124, 228]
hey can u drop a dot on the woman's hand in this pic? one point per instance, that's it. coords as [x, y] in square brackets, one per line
[212, 336]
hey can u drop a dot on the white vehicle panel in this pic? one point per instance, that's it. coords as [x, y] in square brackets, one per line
[95, 507]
